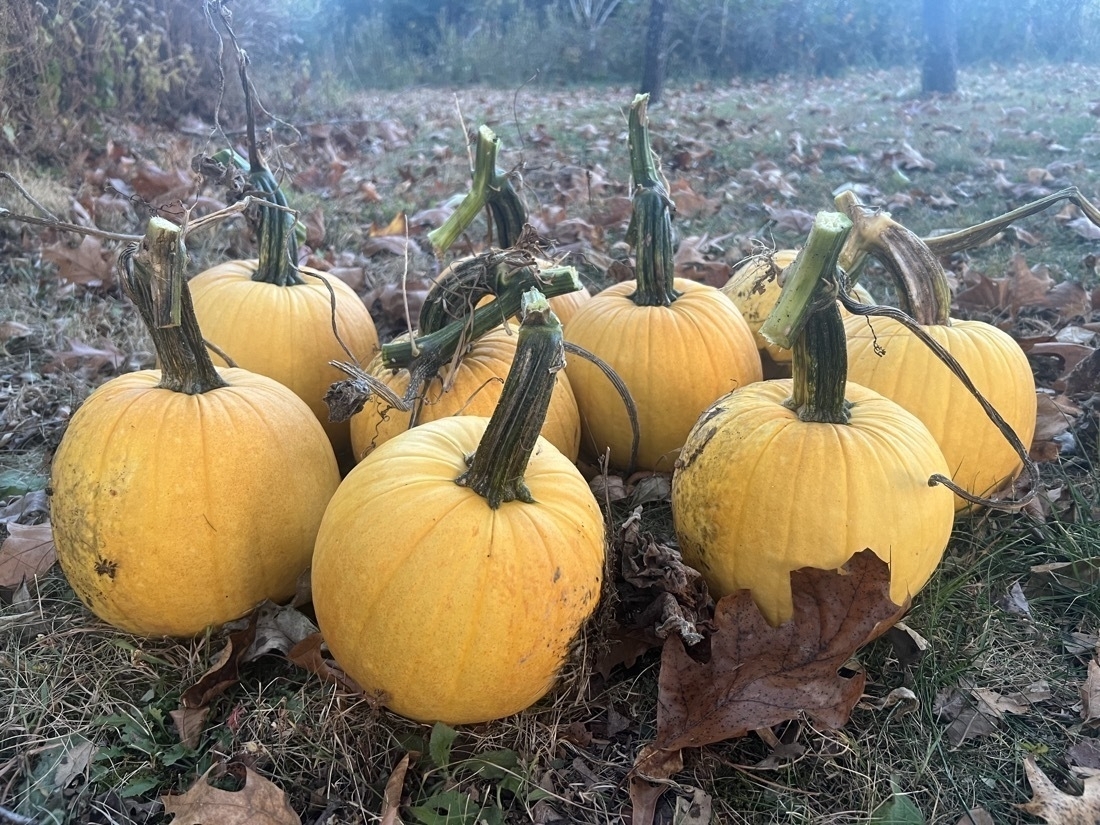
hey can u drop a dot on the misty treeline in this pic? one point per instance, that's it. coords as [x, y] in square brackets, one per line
[61, 58]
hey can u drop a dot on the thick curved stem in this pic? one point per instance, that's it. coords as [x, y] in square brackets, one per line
[152, 275]
[807, 317]
[497, 467]
[443, 343]
[921, 284]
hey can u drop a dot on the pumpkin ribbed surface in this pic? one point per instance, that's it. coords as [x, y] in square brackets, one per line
[759, 493]
[451, 610]
[472, 388]
[285, 332]
[173, 512]
[675, 360]
[980, 458]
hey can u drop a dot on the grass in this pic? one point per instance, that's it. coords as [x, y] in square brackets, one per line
[72, 680]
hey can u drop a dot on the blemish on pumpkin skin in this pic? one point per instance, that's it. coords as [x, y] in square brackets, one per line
[106, 567]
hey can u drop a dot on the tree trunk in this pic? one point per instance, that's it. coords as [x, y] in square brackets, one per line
[938, 73]
[653, 65]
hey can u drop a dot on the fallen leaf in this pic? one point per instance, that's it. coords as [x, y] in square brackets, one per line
[976, 816]
[1090, 697]
[758, 676]
[190, 723]
[224, 672]
[968, 718]
[258, 802]
[307, 654]
[398, 227]
[314, 222]
[25, 508]
[87, 264]
[695, 811]
[649, 779]
[391, 797]
[13, 329]
[27, 552]
[897, 809]
[1085, 754]
[1014, 601]
[157, 185]
[1057, 807]
[90, 359]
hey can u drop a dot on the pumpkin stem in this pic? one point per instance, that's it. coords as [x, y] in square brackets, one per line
[497, 466]
[650, 230]
[807, 315]
[457, 293]
[151, 274]
[441, 345]
[923, 291]
[486, 180]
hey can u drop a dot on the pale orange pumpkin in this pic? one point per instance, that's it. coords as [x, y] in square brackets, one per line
[472, 386]
[185, 497]
[886, 357]
[458, 602]
[676, 344]
[809, 471]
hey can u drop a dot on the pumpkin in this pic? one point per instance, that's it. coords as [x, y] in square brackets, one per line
[676, 344]
[470, 386]
[886, 357]
[754, 287]
[184, 497]
[278, 319]
[808, 471]
[458, 602]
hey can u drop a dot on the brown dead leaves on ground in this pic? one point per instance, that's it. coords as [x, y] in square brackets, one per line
[257, 802]
[750, 676]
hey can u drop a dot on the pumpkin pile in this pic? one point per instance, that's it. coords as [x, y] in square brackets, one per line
[456, 563]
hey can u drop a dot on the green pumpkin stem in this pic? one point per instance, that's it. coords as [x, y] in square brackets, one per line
[921, 284]
[485, 178]
[152, 275]
[807, 319]
[650, 230]
[497, 466]
[440, 346]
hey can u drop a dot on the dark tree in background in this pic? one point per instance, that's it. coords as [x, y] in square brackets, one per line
[653, 64]
[941, 47]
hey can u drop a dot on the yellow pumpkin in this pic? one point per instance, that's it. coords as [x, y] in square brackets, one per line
[758, 493]
[981, 460]
[888, 358]
[809, 471]
[451, 601]
[675, 360]
[184, 498]
[473, 387]
[286, 332]
[676, 344]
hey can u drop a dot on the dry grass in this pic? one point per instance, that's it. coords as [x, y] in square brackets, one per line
[67, 678]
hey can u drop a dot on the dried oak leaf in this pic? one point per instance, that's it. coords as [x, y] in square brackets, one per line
[649, 779]
[758, 676]
[27, 551]
[259, 802]
[1059, 808]
[87, 264]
